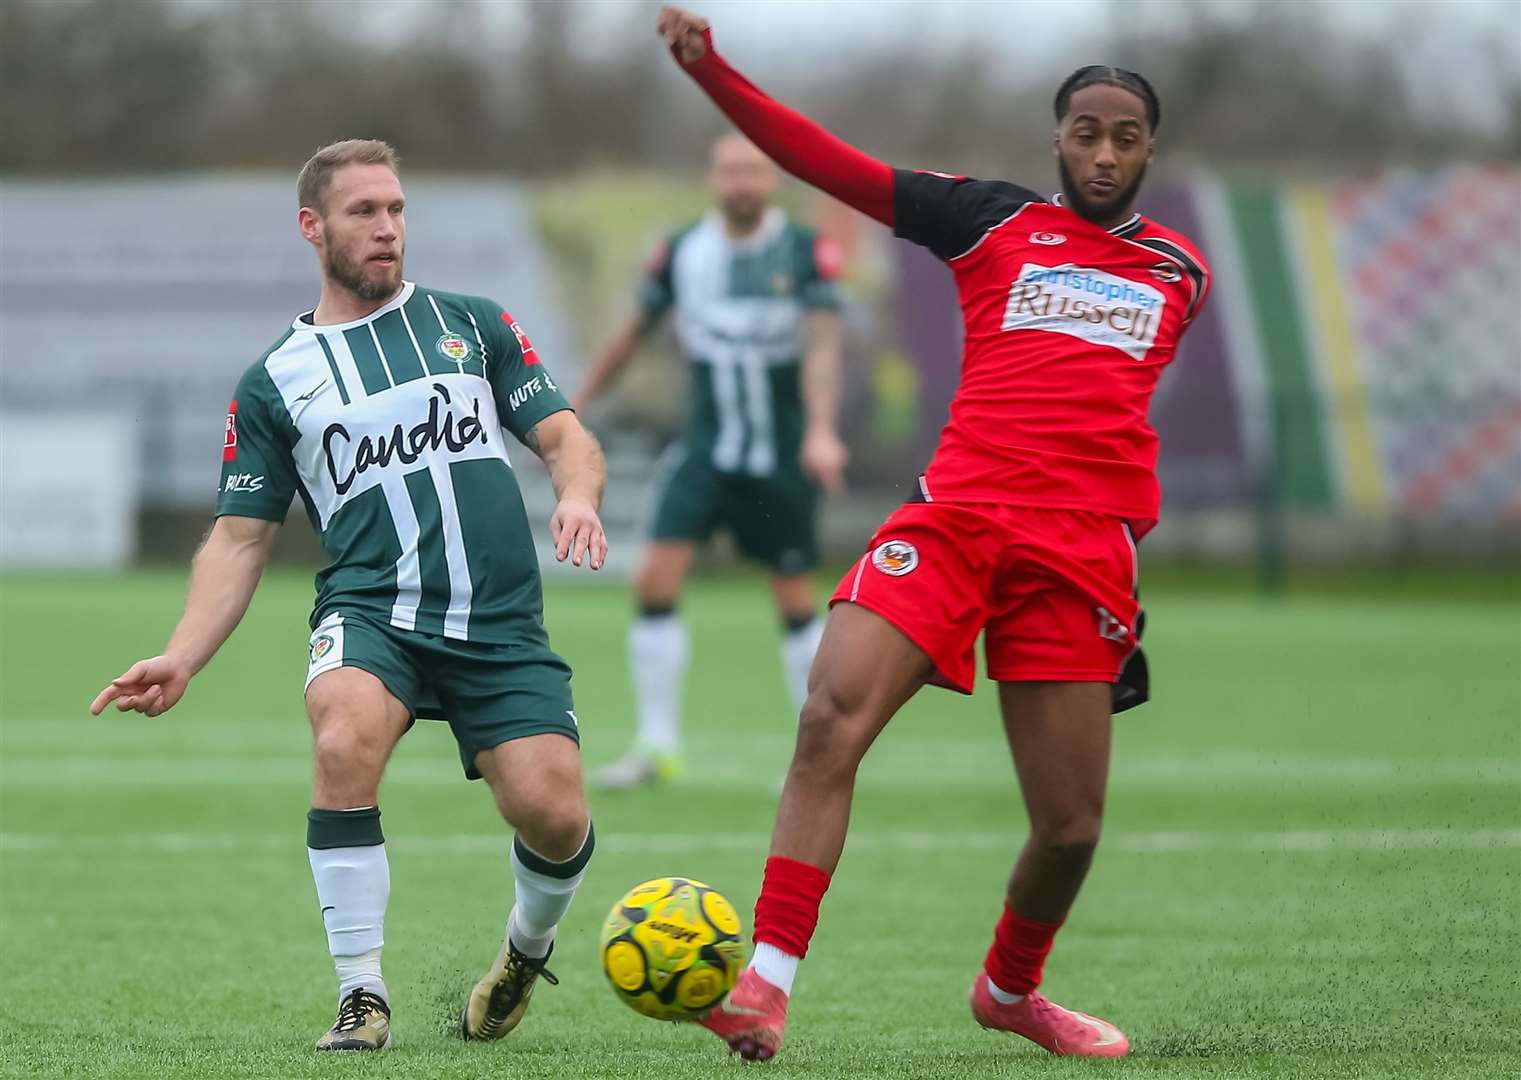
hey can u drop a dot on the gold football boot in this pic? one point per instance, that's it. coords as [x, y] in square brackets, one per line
[497, 1003]
[364, 1023]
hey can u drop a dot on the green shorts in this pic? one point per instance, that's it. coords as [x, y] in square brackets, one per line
[772, 518]
[489, 693]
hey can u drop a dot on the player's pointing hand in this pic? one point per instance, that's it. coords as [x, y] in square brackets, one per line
[151, 687]
[683, 33]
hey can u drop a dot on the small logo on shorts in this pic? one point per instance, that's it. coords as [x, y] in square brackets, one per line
[895, 557]
[1111, 628]
[321, 647]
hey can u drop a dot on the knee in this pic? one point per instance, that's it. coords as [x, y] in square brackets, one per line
[1070, 840]
[557, 830]
[831, 735]
[653, 601]
[657, 589]
[341, 747]
[564, 834]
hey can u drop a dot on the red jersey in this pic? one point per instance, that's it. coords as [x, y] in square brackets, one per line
[1068, 327]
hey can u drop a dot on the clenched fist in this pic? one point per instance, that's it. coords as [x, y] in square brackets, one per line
[683, 32]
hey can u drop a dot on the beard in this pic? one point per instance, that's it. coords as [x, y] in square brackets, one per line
[351, 275]
[1086, 208]
[743, 213]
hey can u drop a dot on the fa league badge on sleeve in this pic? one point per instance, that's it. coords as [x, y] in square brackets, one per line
[230, 433]
[529, 356]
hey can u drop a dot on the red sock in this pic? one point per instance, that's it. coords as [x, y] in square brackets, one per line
[788, 908]
[1020, 948]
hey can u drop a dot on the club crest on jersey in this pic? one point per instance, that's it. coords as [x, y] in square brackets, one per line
[454, 348]
[1050, 239]
[1166, 273]
[895, 558]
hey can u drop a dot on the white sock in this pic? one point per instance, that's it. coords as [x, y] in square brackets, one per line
[544, 891]
[353, 886]
[359, 971]
[798, 647]
[1003, 997]
[657, 656]
[776, 967]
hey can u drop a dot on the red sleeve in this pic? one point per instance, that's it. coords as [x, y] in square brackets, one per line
[795, 142]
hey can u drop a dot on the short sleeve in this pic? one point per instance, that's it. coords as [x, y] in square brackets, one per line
[258, 469]
[823, 262]
[524, 391]
[950, 214]
[657, 289]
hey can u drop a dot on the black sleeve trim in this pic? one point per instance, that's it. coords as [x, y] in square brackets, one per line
[1190, 266]
[950, 215]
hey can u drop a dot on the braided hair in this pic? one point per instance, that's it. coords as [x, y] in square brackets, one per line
[1104, 75]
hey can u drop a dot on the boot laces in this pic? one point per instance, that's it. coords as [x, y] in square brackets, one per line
[355, 1008]
[519, 976]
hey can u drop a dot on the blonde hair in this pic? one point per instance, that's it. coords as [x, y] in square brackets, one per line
[317, 174]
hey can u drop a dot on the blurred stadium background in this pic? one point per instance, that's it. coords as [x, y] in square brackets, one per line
[1312, 866]
[1353, 391]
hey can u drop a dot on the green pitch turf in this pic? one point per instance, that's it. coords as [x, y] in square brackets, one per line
[1312, 865]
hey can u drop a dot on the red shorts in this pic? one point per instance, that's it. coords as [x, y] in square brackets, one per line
[1054, 589]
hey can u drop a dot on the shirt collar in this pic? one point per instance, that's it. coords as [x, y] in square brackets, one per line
[1124, 230]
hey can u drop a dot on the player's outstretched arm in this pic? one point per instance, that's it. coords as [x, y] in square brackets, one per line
[222, 581]
[579, 474]
[610, 363]
[823, 453]
[796, 143]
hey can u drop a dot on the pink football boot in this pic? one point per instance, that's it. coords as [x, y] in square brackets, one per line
[1047, 1024]
[750, 1019]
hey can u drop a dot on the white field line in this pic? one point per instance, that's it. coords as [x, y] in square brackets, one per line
[1305, 841]
[759, 762]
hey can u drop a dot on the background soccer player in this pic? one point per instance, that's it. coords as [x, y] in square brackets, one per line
[385, 408]
[1024, 527]
[757, 318]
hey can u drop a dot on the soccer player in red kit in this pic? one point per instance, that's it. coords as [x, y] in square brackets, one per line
[1023, 527]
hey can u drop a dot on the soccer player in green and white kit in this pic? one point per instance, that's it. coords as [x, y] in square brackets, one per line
[385, 409]
[757, 317]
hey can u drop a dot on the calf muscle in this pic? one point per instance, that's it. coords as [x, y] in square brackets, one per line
[1059, 734]
[864, 671]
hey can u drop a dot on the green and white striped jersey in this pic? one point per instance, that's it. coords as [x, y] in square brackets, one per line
[740, 308]
[390, 429]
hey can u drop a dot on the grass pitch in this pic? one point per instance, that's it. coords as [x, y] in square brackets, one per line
[1312, 865]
